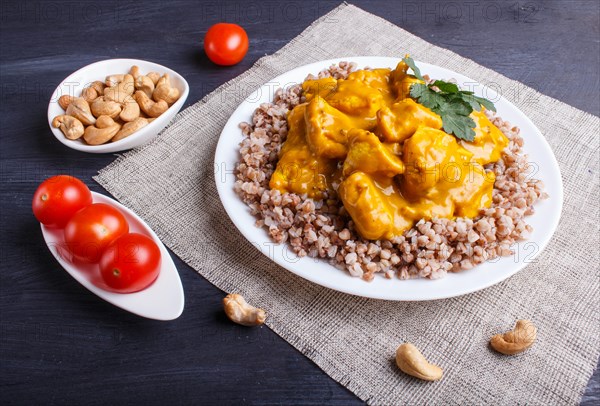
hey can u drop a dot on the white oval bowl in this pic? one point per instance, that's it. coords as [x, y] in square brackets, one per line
[74, 84]
[163, 300]
[544, 221]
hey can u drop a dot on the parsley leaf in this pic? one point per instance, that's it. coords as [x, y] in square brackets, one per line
[453, 105]
[456, 120]
[470, 99]
[485, 103]
[411, 64]
[446, 87]
[426, 96]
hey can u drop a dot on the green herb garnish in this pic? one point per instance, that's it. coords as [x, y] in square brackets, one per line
[450, 103]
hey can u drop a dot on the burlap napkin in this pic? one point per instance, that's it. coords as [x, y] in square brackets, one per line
[170, 184]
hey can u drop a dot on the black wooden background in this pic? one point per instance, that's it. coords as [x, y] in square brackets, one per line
[62, 345]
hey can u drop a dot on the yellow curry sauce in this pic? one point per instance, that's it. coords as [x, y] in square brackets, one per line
[387, 155]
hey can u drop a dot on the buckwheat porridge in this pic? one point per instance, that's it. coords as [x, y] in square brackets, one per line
[365, 169]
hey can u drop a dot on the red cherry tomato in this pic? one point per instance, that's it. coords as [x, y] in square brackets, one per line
[130, 263]
[58, 198]
[92, 228]
[226, 44]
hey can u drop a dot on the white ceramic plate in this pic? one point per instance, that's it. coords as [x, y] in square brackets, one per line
[163, 300]
[544, 221]
[75, 82]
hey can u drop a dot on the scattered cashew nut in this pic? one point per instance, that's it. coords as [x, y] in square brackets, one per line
[410, 360]
[65, 100]
[102, 132]
[164, 91]
[80, 109]
[103, 107]
[70, 126]
[130, 128]
[240, 312]
[517, 340]
[149, 107]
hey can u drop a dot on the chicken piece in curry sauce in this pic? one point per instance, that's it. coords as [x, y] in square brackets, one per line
[385, 155]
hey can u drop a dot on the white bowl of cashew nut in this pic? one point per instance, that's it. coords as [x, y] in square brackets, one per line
[115, 105]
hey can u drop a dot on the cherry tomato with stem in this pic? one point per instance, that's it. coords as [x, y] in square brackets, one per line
[226, 44]
[92, 229]
[130, 263]
[58, 198]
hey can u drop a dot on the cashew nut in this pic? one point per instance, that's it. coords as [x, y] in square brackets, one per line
[120, 91]
[70, 126]
[130, 128]
[105, 122]
[89, 94]
[98, 86]
[103, 107]
[113, 80]
[240, 312]
[102, 132]
[410, 360]
[80, 109]
[65, 100]
[145, 84]
[517, 340]
[93, 91]
[164, 91]
[123, 104]
[131, 110]
[154, 77]
[149, 107]
[135, 71]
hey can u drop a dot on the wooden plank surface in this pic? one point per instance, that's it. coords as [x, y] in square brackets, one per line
[62, 345]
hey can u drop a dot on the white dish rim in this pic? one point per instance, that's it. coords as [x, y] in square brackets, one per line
[140, 137]
[145, 303]
[426, 289]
